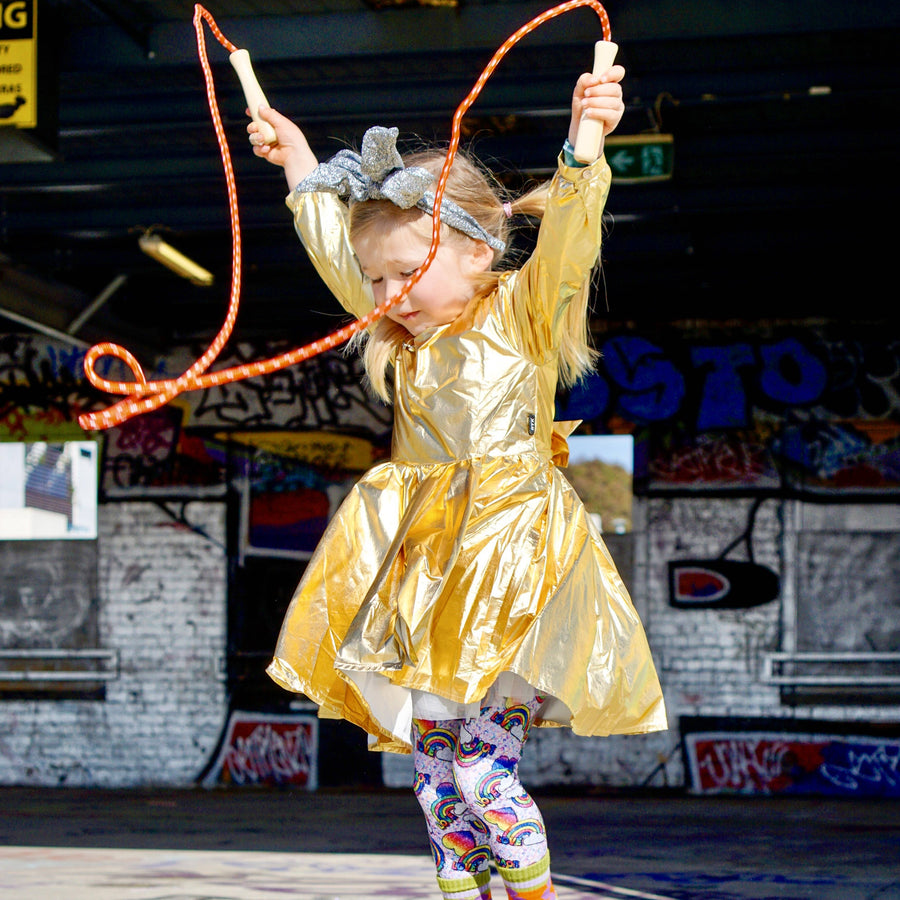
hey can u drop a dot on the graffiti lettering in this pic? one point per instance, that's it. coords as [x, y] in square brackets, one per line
[723, 402]
[324, 392]
[267, 755]
[711, 386]
[792, 374]
[793, 764]
[716, 459]
[141, 451]
[273, 750]
[741, 765]
[880, 765]
[651, 387]
[37, 379]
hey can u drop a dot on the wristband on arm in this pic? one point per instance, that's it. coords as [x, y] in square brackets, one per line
[568, 152]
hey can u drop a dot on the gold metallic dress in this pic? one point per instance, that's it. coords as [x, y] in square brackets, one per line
[468, 555]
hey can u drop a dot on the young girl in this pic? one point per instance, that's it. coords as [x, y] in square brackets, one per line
[461, 594]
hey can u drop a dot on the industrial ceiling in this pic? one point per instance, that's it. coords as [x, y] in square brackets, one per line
[783, 116]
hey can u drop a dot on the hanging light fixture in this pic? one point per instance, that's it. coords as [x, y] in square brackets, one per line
[153, 245]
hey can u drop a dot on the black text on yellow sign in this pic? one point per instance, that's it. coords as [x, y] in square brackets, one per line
[18, 63]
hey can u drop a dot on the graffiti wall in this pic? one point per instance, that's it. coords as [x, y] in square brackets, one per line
[735, 427]
[812, 409]
[781, 760]
[764, 406]
[42, 389]
[292, 483]
[185, 444]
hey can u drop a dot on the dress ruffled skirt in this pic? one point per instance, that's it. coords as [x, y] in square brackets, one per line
[438, 579]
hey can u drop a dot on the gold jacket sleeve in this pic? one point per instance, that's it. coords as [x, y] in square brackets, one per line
[320, 220]
[567, 249]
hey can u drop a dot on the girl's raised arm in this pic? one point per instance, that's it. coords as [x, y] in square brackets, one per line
[290, 151]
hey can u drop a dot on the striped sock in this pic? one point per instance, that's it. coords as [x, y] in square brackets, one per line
[476, 886]
[531, 883]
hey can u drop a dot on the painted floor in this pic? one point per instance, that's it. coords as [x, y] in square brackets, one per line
[245, 844]
[40, 873]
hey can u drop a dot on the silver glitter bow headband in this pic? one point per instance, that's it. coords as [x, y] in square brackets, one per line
[378, 173]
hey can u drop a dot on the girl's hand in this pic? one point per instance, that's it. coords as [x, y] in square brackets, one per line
[290, 151]
[598, 97]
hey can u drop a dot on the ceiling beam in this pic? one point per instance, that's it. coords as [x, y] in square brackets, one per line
[396, 32]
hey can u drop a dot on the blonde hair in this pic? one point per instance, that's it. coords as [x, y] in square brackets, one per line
[472, 188]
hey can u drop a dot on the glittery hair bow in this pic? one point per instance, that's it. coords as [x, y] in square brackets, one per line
[378, 173]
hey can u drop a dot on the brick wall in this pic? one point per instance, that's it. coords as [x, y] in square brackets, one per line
[162, 590]
[710, 658]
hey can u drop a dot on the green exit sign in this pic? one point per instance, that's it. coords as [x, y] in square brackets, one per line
[638, 158]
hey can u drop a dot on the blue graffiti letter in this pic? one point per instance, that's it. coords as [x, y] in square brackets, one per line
[791, 373]
[723, 400]
[651, 387]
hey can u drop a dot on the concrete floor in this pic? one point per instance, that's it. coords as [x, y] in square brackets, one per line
[246, 844]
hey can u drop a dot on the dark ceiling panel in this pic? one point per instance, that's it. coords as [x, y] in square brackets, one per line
[785, 116]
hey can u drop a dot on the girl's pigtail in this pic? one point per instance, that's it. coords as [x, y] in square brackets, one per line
[531, 204]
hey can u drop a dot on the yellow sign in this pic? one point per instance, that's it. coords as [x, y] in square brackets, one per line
[18, 63]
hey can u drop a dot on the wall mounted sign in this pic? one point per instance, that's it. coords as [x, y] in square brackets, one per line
[18, 64]
[640, 158]
[270, 750]
[776, 757]
[722, 583]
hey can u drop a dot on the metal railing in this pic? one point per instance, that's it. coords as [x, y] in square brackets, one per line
[842, 669]
[59, 665]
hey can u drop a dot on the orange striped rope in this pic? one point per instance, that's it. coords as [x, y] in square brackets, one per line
[144, 396]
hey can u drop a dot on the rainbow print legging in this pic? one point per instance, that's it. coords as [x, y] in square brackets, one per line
[476, 809]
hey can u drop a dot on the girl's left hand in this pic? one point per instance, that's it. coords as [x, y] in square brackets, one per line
[598, 97]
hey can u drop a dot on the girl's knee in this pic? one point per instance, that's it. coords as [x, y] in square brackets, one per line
[483, 782]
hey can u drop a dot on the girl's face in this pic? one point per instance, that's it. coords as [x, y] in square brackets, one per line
[389, 257]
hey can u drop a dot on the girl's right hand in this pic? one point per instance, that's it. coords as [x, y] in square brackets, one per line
[598, 97]
[290, 151]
